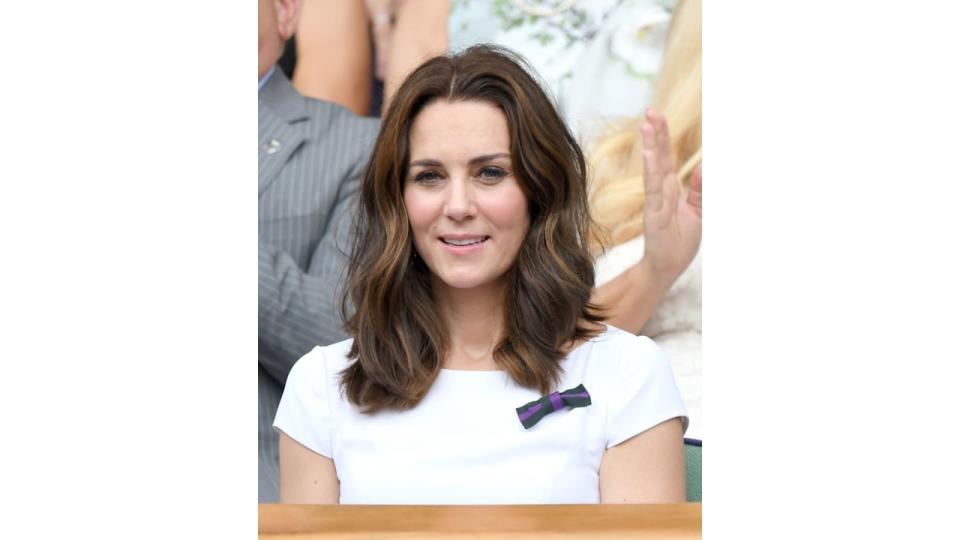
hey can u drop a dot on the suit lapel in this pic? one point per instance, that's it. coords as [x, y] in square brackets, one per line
[282, 125]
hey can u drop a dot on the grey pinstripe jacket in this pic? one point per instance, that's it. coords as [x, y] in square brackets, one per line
[311, 154]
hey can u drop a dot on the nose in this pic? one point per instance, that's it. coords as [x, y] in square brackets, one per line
[459, 204]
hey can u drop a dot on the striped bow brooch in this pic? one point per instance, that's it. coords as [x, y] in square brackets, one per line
[532, 412]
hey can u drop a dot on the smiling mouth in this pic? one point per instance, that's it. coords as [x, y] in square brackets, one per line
[464, 241]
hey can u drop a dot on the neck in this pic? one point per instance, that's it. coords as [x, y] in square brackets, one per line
[474, 322]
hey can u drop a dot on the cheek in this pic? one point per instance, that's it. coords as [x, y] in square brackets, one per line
[510, 213]
[418, 211]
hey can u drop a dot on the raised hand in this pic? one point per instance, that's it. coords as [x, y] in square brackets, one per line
[381, 13]
[672, 224]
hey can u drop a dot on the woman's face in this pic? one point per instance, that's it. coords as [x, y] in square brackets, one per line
[466, 209]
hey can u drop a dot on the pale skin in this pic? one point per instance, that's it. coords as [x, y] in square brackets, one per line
[672, 224]
[333, 53]
[419, 33]
[277, 22]
[461, 183]
[381, 14]
[672, 230]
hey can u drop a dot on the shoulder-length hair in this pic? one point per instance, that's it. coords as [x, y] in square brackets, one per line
[399, 338]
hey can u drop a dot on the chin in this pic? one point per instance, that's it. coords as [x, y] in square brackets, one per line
[458, 280]
[463, 283]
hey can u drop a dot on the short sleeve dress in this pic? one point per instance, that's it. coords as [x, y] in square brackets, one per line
[464, 443]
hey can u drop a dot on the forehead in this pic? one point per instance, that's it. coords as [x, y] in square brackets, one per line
[459, 128]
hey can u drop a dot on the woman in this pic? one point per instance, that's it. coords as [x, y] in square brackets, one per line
[629, 206]
[478, 371]
[598, 60]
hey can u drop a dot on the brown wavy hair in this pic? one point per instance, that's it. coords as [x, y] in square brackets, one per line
[399, 339]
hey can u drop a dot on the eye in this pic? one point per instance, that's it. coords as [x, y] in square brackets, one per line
[427, 177]
[491, 174]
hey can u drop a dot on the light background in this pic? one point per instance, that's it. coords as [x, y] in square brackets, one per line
[128, 300]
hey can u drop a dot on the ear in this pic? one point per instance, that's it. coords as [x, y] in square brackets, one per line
[288, 13]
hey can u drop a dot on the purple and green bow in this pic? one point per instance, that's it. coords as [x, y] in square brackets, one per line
[532, 412]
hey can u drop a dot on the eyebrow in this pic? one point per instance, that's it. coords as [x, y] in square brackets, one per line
[474, 161]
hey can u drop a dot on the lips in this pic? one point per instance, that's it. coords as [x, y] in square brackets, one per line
[463, 240]
[463, 244]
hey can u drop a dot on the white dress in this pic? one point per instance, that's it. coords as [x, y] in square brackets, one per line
[599, 59]
[464, 443]
[675, 325]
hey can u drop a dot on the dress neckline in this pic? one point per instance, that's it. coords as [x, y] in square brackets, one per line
[607, 330]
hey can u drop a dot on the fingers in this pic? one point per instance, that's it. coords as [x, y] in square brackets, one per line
[695, 195]
[663, 142]
[381, 13]
[381, 47]
[671, 188]
[662, 173]
[652, 180]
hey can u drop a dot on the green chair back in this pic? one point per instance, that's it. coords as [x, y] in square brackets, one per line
[693, 450]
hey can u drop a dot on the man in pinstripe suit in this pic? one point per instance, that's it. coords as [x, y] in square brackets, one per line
[311, 155]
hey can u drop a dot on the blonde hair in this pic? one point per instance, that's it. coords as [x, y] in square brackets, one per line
[616, 159]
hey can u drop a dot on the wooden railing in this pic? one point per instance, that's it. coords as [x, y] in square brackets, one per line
[305, 522]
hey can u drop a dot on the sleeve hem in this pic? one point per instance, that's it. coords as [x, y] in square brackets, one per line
[625, 434]
[310, 445]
